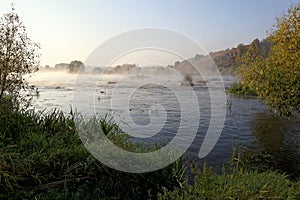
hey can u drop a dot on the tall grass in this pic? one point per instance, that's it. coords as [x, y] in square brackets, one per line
[237, 181]
[42, 157]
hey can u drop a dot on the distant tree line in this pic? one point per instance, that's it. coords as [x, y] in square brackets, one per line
[73, 67]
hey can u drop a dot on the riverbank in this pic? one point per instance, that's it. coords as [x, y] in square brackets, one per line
[42, 157]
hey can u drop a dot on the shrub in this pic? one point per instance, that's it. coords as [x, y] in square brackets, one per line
[238, 88]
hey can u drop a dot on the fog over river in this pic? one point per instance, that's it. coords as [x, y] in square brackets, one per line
[249, 126]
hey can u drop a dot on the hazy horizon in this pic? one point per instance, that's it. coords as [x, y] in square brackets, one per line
[71, 30]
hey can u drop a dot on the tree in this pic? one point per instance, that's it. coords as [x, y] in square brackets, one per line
[76, 66]
[18, 56]
[275, 76]
[251, 65]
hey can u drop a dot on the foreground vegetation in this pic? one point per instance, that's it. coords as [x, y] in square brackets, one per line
[42, 157]
[237, 184]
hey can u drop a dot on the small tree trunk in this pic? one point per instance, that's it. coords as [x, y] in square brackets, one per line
[3, 88]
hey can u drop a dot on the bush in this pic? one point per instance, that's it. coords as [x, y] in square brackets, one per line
[274, 73]
[238, 88]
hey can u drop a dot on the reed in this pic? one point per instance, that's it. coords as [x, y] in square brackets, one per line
[237, 181]
[42, 157]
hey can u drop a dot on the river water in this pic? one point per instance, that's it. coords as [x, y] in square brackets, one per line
[249, 126]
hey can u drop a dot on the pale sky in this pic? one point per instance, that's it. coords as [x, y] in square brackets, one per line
[71, 29]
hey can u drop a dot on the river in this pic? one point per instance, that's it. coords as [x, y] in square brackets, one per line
[249, 126]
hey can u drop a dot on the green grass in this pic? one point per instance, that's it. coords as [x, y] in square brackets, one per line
[42, 157]
[237, 183]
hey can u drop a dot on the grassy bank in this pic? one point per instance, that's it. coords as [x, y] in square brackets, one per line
[237, 184]
[42, 157]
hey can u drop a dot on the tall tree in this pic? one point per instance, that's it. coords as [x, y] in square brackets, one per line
[275, 76]
[18, 56]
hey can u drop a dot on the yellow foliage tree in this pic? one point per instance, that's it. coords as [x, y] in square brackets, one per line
[275, 75]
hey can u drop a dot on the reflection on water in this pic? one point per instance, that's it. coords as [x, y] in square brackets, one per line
[278, 142]
[271, 139]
